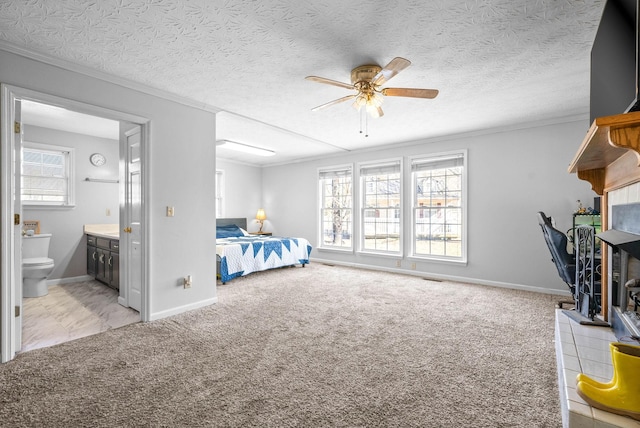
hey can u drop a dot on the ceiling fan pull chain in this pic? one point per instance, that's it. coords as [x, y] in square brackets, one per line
[366, 124]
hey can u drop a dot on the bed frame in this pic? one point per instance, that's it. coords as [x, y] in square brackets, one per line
[240, 222]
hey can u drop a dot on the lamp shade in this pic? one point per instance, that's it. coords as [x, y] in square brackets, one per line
[261, 215]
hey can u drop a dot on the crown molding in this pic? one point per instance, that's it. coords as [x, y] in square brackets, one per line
[101, 75]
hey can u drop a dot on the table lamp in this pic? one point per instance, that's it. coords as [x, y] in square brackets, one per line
[261, 216]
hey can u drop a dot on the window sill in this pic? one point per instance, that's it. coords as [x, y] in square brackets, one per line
[444, 260]
[380, 254]
[335, 249]
[47, 207]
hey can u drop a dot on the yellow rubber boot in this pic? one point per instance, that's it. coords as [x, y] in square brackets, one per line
[623, 398]
[586, 379]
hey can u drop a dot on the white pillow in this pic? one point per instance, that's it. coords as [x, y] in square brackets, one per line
[244, 232]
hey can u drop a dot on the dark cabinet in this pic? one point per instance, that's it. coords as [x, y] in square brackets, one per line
[114, 267]
[92, 256]
[103, 260]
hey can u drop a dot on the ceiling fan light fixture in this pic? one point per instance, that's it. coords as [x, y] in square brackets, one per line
[243, 148]
[360, 101]
[374, 100]
[374, 111]
[367, 80]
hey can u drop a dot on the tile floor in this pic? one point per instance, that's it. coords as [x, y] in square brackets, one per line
[71, 311]
[584, 349]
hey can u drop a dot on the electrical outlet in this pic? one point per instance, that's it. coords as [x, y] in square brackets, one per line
[170, 211]
[398, 263]
[413, 266]
[108, 212]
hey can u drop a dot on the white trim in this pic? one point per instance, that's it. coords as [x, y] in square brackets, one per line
[48, 207]
[440, 138]
[453, 278]
[69, 280]
[70, 171]
[145, 172]
[361, 206]
[463, 259]
[435, 259]
[220, 211]
[182, 309]
[320, 207]
[7, 299]
[336, 249]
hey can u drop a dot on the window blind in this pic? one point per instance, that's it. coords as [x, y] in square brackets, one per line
[437, 163]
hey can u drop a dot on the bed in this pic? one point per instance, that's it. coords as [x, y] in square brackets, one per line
[239, 253]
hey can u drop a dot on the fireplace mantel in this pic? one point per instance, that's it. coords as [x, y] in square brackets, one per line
[609, 159]
[610, 140]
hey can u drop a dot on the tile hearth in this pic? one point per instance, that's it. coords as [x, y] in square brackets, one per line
[584, 349]
[71, 311]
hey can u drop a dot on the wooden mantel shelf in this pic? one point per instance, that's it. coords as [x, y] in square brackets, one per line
[608, 139]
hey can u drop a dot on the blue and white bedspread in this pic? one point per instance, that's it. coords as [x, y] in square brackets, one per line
[241, 256]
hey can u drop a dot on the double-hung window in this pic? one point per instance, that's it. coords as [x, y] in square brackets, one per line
[439, 206]
[47, 175]
[336, 206]
[381, 207]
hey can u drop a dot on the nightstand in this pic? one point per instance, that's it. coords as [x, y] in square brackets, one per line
[260, 233]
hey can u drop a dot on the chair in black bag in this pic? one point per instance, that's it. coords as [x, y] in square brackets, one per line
[565, 262]
[581, 280]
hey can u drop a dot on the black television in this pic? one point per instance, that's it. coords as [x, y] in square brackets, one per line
[614, 60]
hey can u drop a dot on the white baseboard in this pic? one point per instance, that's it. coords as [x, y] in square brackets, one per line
[441, 277]
[180, 309]
[70, 280]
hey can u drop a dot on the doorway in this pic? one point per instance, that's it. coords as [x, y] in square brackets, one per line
[131, 273]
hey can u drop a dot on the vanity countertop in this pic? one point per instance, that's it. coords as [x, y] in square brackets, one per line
[111, 231]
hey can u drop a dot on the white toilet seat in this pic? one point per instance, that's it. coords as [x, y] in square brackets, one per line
[37, 262]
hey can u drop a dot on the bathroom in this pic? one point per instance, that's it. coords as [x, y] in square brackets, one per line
[93, 202]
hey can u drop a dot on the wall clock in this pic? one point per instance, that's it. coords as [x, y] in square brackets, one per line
[97, 159]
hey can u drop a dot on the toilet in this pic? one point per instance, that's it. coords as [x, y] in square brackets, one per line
[36, 265]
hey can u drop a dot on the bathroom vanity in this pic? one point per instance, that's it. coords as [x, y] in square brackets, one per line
[103, 254]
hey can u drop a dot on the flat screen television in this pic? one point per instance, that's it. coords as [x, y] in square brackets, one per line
[614, 60]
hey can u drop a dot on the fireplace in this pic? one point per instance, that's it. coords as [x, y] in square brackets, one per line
[624, 295]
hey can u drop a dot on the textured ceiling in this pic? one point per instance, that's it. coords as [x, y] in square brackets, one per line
[495, 62]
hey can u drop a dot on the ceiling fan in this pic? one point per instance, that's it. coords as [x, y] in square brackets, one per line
[366, 80]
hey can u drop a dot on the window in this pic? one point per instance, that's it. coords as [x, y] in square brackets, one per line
[219, 193]
[381, 207]
[47, 177]
[438, 206]
[336, 202]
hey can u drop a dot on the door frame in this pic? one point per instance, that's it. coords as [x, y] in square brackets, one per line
[9, 93]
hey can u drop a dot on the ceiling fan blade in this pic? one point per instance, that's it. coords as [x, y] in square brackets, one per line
[329, 82]
[330, 103]
[410, 92]
[394, 67]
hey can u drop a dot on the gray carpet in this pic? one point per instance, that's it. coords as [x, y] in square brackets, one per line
[306, 347]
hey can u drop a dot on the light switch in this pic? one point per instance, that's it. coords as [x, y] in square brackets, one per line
[169, 211]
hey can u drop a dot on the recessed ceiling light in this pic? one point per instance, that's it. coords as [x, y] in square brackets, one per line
[244, 148]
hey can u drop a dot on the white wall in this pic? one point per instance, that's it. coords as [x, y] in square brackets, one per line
[512, 175]
[68, 244]
[181, 174]
[242, 192]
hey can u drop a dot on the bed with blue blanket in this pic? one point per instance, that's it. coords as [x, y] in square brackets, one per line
[240, 253]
